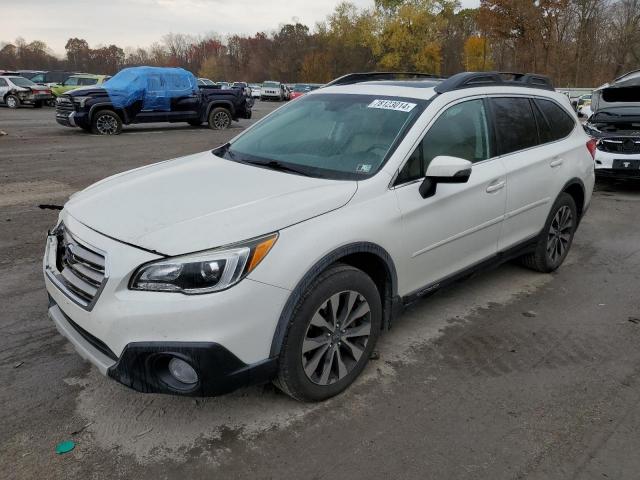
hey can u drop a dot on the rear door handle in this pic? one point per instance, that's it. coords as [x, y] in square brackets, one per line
[495, 186]
[556, 162]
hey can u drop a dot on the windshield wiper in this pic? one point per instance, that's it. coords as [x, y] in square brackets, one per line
[281, 167]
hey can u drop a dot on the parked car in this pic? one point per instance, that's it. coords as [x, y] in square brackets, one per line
[615, 124]
[150, 94]
[272, 91]
[205, 82]
[584, 110]
[16, 91]
[76, 81]
[299, 89]
[49, 78]
[578, 102]
[282, 254]
[256, 90]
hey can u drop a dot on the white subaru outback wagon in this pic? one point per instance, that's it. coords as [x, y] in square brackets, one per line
[284, 253]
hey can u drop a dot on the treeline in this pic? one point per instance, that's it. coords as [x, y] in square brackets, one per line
[577, 42]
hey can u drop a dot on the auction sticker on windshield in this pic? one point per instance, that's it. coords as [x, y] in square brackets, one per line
[392, 105]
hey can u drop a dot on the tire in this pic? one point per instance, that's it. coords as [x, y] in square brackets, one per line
[326, 370]
[12, 101]
[219, 118]
[106, 122]
[37, 104]
[194, 123]
[556, 238]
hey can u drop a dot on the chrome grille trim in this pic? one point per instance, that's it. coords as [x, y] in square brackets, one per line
[76, 268]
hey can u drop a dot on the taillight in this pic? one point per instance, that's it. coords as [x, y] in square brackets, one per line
[591, 146]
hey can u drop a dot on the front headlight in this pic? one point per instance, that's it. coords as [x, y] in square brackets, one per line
[203, 272]
[81, 100]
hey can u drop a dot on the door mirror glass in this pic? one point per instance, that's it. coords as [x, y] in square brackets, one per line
[444, 169]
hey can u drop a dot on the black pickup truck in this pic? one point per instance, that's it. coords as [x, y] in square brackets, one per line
[150, 94]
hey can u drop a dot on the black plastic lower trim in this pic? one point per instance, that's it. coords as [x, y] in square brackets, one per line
[617, 173]
[142, 367]
[491, 262]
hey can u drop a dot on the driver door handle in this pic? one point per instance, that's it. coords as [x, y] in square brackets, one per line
[495, 186]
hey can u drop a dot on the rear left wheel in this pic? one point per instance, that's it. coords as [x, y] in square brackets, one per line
[556, 238]
[219, 118]
[334, 328]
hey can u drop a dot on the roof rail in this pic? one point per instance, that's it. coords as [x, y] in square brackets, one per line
[488, 79]
[352, 78]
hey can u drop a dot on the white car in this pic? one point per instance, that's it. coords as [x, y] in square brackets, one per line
[272, 91]
[283, 254]
[16, 91]
[256, 90]
[615, 123]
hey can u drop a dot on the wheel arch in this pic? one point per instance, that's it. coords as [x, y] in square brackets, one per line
[98, 107]
[221, 103]
[371, 258]
[575, 188]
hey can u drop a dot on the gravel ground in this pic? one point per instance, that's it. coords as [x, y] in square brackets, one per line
[508, 375]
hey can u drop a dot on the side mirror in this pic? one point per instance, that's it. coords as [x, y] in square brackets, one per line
[444, 169]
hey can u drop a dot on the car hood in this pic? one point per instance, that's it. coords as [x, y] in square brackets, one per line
[86, 91]
[202, 201]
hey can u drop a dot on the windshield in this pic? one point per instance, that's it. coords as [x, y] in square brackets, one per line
[22, 82]
[301, 88]
[340, 136]
[271, 84]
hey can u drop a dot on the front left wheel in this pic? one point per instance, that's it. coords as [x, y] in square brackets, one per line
[106, 122]
[334, 328]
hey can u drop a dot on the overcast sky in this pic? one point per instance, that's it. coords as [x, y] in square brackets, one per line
[132, 23]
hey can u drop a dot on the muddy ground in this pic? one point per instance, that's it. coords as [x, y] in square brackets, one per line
[508, 375]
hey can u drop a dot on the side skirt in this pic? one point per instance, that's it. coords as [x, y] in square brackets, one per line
[492, 262]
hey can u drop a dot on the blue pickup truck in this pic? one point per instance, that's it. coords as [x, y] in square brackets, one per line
[150, 94]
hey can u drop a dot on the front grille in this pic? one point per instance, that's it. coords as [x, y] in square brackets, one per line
[81, 268]
[64, 106]
[619, 145]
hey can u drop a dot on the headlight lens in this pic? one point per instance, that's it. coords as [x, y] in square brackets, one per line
[81, 100]
[203, 272]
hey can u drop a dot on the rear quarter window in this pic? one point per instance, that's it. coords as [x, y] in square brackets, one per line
[554, 123]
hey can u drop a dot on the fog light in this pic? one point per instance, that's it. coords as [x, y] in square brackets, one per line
[182, 371]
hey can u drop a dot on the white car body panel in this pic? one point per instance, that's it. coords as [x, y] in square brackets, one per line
[178, 206]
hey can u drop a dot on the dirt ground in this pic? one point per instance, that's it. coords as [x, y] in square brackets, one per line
[508, 375]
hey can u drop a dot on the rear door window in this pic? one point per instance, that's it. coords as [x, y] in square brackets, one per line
[88, 81]
[515, 125]
[560, 123]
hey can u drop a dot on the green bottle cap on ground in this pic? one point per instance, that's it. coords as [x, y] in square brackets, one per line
[65, 447]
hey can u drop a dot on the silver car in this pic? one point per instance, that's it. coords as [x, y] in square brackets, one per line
[16, 91]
